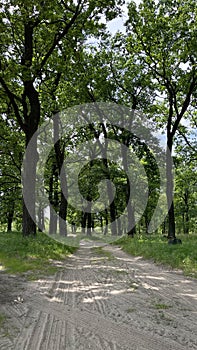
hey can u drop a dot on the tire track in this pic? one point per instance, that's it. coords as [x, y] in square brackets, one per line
[92, 304]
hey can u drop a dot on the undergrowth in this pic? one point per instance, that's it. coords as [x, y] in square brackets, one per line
[181, 256]
[33, 256]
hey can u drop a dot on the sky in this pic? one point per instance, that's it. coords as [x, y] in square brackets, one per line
[118, 23]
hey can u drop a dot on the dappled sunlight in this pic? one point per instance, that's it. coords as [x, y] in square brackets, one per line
[89, 293]
[92, 300]
[2, 268]
[186, 281]
[115, 292]
[54, 281]
[193, 296]
[104, 289]
[94, 282]
[148, 286]
[79, 288]
[156, 278]
[129, 259]
[56, 300]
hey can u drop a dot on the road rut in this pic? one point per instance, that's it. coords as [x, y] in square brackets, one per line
[103, 299]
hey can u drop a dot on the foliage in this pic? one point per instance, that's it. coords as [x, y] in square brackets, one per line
[11, 149]
[161, 35]
[46, 50]
[186, 179]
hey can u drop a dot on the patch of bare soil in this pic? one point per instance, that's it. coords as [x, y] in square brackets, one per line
[100, 301]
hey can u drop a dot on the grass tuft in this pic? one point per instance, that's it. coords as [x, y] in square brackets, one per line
[33, 256]
[2, 320]
[180, 256]
[162, 306]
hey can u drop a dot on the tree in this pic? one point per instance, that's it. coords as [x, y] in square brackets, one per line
[31, 47]
[185, 178]
[162, 36]
[11, 147]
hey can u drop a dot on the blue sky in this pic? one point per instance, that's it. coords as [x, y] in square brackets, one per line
[118, 23]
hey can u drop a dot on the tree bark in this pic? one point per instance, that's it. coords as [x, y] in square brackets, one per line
[101, 223]
[83, 222]
[10, 217]
[89, 224]
[53, 222]
[131, 229]
[63, 215]
[29, 178]
[106, 222]
[31, 113]
[169, 187]
[53, 199]
[41, 224]
[59, 151]
[112, 206]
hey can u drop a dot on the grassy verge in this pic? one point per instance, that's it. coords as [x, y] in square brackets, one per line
[31, 256]
[181, 256]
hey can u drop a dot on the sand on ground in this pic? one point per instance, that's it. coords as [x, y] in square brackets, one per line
[101, 299]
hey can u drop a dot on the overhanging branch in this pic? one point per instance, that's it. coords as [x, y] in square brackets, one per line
[12, 99]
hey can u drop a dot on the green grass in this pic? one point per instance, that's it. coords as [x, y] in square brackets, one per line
[181, 256]
[31, 256]
[161, 306]
[2, 320]
[4, 326]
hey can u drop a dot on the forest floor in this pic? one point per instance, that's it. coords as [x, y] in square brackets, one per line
[101, 299]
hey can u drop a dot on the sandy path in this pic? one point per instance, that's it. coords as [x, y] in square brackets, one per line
[102, 302]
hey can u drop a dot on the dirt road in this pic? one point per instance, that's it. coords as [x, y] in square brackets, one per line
[102, 299]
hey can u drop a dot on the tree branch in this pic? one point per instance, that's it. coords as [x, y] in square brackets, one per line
[193, 148]
[185, 105]
[134, 98]
[12, 99]
[59, 36]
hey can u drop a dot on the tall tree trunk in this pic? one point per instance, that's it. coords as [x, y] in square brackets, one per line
[89, 215]
[41, 224]
[103, 148]
[59, 151]
[53, 222]
[63, 215]
[10, 216]
[131, 229]
[29, 182]
[106, 222]
[169, 187]
[146, 222]
[112, 206]
[89, 224]
[92, 222]
[101, 223]
[53, 200]
[31, 113]
[83, 221]
[119, 227]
